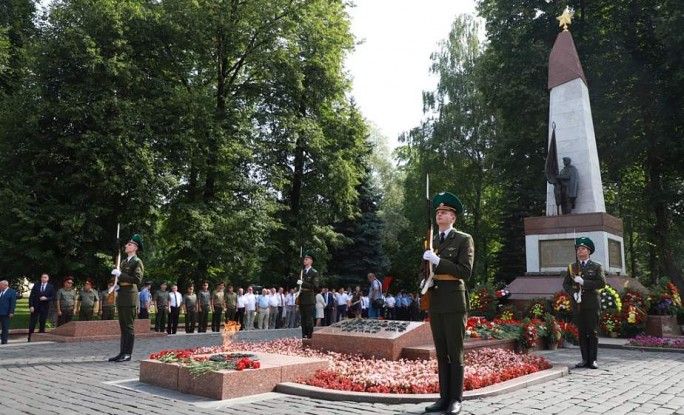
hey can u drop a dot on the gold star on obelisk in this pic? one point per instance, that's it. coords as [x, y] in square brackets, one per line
[565, 19]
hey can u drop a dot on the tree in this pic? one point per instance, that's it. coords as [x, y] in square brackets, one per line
[454, 144]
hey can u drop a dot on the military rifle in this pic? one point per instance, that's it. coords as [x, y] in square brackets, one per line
[577, 271]
[428, 273]
[301, 275]
[111, 294]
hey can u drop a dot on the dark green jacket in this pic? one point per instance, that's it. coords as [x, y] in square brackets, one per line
[594, 280]
[456, 254]
[131, 272]
[309, 287]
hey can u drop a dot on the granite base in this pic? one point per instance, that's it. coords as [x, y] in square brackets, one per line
[382, 345]
[227, 384]
[78, 331]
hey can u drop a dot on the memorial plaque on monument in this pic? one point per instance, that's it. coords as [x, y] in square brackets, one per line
[614, 253]
[556, 252]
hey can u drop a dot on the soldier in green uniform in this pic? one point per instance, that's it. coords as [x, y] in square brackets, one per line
[107, 303]
[129, 275]
[190, 306]
[65, 301]
[307, 295]
[231, 304]
[583, 280]
[452, 262]
[87, 299]
[217, 302]
[161, 305]
[204, 303]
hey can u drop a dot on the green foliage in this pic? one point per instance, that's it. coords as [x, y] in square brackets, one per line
[220, 131]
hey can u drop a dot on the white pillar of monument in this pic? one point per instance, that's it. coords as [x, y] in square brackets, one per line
[570, 111]
[549, 240]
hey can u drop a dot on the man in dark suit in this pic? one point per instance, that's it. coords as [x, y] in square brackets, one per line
[588, 276]
[452, 260]
[8, 302]
[129, 275]
[307, 295]
[41, 295]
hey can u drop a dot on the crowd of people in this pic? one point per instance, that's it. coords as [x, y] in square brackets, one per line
[209, 308]
[256, 308]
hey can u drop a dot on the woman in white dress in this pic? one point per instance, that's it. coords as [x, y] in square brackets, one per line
[320, 307]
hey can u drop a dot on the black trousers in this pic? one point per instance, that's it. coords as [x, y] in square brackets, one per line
[39, 314]
[203, 319]
[216, 319]
[190, 321]
[160, 319]
[240, 317]
[307, 312]
[67, 316]
[587, 322]
[231, 314]
[172, 327]
[144, 314]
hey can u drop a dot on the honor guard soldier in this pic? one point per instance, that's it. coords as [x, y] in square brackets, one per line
[130, 275]
[583, 280]
[307, 295]
[452, 262]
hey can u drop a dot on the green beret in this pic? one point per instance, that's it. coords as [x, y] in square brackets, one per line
[447, 201]
[137, 239]
[309, 254]
[584, 241]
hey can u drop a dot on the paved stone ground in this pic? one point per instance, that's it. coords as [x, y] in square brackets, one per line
[54, 378]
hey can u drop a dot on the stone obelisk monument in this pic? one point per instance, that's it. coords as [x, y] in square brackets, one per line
[574, 203]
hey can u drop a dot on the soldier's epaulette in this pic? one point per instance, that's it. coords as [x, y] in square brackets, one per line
[463, 234]
[314, 270]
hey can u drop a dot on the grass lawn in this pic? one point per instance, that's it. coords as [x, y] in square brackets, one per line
[21, 315]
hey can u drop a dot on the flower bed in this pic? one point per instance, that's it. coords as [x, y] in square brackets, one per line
[483, 367]
[659, 342]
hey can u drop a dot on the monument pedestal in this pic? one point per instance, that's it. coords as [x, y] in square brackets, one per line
[550, 241]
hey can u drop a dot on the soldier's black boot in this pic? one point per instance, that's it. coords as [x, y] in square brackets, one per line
[442, 403]
[122, 345]
[126, 348]
[583, 342]
[593, 352]
[457, 374]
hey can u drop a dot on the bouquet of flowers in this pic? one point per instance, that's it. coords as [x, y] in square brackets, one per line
[633, 320]
[528, 334]
[502, 294]
[610, 322]
[570, 332]
[482, 302]
[610, 299]
[665, 299]
[507, 313]
[553, 330]
[537, 308]
[561, 304]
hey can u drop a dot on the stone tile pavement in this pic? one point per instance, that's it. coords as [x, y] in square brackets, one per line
[75, 378]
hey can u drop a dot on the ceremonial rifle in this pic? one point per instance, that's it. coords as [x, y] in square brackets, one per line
[301, 275]
[428, 273]
[111, 294]
[577, 271]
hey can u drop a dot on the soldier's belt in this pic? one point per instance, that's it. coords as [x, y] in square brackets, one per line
[125, 284]
[445, 277]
